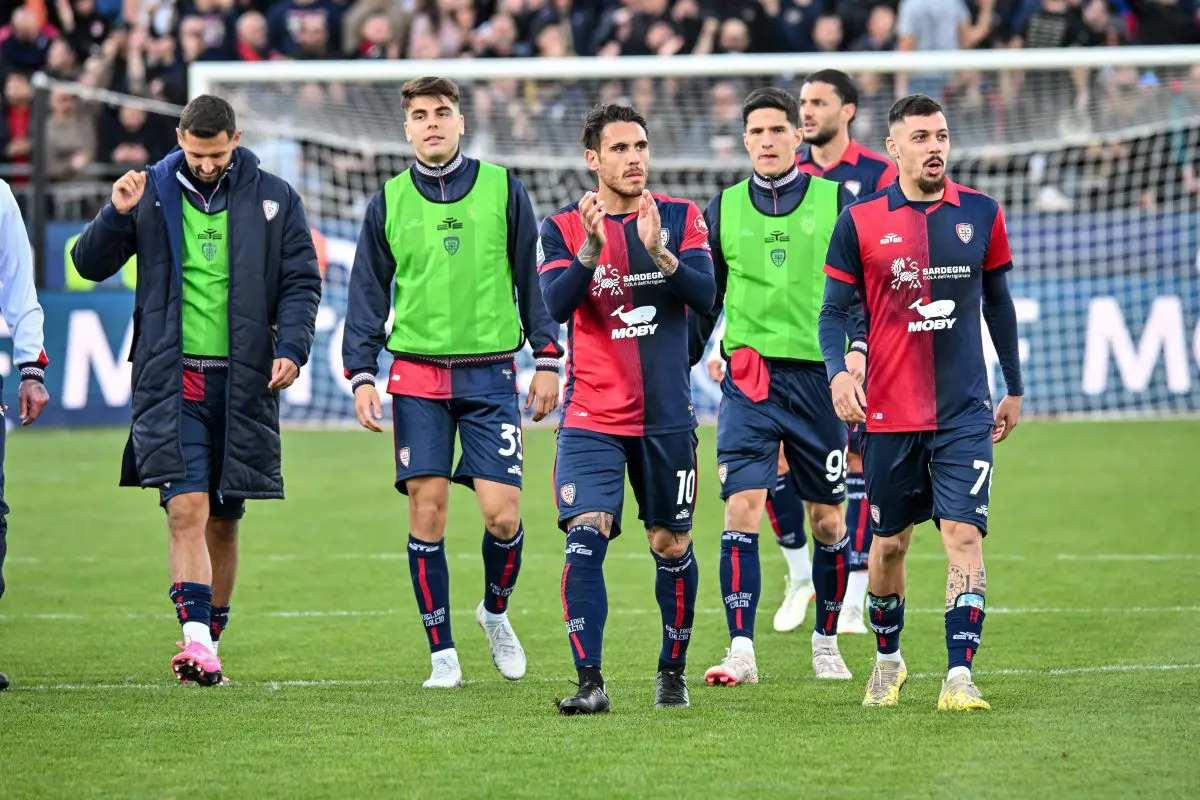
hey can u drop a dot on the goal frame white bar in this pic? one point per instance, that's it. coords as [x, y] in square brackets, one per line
[203, 75]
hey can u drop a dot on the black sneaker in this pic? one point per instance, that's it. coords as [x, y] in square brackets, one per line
[3, 681]
[590, 699]
[670, 690]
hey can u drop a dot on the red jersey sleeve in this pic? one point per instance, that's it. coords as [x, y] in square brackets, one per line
[695, 230]
[999, 254]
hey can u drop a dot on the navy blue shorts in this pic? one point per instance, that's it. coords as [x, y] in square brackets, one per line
[798, 412]
[857, 432]
[489, 429]
[202, 439]
[914, 477]
[589, 476]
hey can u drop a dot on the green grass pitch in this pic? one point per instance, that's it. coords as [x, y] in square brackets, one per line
[1090, 656]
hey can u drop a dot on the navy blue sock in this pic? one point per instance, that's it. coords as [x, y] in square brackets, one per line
[431, 584]
[858, 521]
[887, 620]
[193, 602]
[675, 582]
[741, 581]
[584, 598]
[218, 622]
[831, 566]
[501, 565]
[964, 627]
[786, 512]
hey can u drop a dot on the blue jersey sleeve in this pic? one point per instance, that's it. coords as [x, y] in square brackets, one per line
[843, 261]
[564, 281]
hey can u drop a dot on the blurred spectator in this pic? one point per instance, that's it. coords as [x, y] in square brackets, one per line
[398, 12]
[552, 42]
[216, 20]
[312, 39]
[881, 31]
[251, 38]
[1100, 28]
[70, 137]
[131, 139]
[448, 23]
[1166, 21]
[790, 24]
[61, 61]
[937, 25]
[497, 38]
[82, 28]
[17, 118]
[25, 44]
[378, 38]
[827, 34]
[286, 17]
[720, 133]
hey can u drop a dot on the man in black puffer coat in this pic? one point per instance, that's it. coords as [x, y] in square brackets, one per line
[227, 293]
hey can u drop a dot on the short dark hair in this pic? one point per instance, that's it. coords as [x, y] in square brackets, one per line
[428, 87]
[843, 85]
[604, 114]
[208, 116]
[772, 98]
[915, 105]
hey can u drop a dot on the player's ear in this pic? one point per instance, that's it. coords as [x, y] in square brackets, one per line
[892, 150]
[592, 159]
[462, 125]
[407, 135]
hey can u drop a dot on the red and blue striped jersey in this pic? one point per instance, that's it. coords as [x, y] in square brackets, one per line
[919, 269]
[860, 170]
[627, 365]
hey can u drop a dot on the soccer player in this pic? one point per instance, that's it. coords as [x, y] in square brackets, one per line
[227, 294]
[622, 267]
[769, 235]
[458, 238]
[785, 512]
[25, 319]
[828, 105]
[924, 255]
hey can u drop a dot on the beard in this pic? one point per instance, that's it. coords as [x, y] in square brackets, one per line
[203, 179]
[932, 185]
[625, 187]
[822, 137]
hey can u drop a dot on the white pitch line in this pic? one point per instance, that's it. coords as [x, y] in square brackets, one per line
[1128, 557]
[463, 613]
[276, 685]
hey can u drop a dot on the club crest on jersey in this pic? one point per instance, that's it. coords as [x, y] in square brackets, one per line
[665, 235]
[541, 252]
[854, 186]
[209, 250]
[567, 493]
[905, 274]
[778, 256]
[451, 244]
[965, 231]
[875, 514]
[722, 472]
[606, 279]
[404, 456]
[270, 209]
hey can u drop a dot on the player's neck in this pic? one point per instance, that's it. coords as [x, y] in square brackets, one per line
[831, 152]
[913, 192]
[617, 204]
[442, 169]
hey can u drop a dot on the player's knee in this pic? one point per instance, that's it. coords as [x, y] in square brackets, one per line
[222, 530]
[427, 515]
[828, 525]
[961, 536]
[890, 548]
[187, 514]
[668, 544]
[743, 510]
[503, 522]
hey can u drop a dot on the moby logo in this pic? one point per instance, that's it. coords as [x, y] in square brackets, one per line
[935, 316]
[637, 321]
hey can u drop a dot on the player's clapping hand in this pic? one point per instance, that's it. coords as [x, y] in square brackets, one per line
[848, 398]
[591, 211]
[1007, 414]
[33, 398]
[367, 407]
[649, 223]
[856, 362]
[128, 190]
[543, 394]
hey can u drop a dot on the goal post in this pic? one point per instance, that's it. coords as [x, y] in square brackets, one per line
[1093, 152]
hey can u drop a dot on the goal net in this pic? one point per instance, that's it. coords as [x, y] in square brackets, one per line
[1094, 153]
